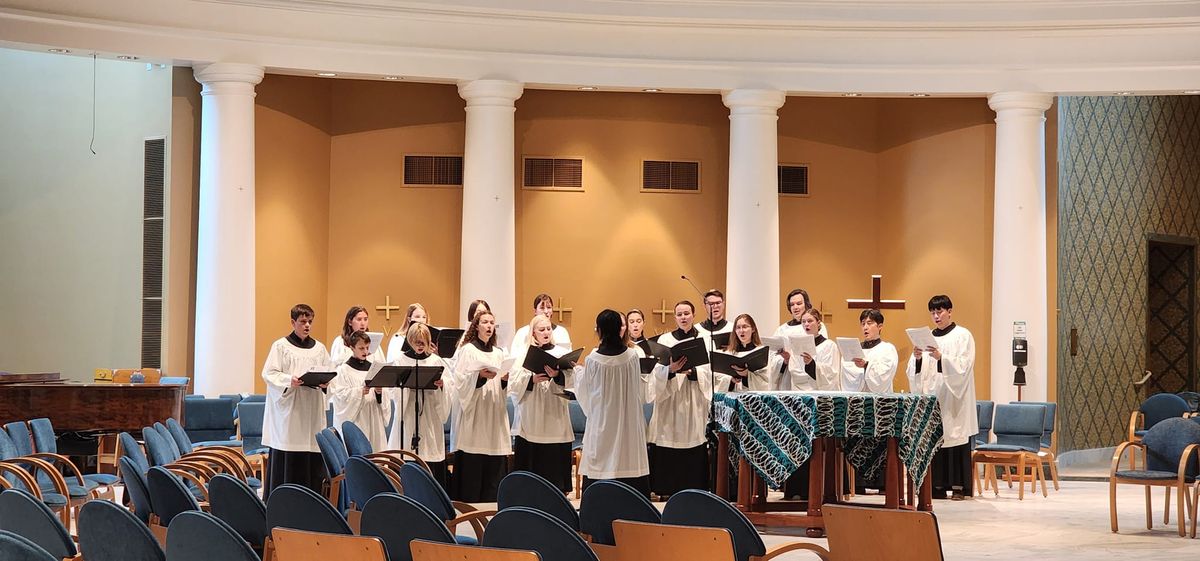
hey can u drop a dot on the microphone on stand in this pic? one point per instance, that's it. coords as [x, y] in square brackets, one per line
[711, 428]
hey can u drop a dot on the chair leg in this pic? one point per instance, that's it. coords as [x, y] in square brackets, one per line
[1194, 505]
[1181, 514]
[1166, 505]
[1021, 474]
[995, 482]
[1041, 475]
[1053, 468]
[1112, 504]
[1149, 514]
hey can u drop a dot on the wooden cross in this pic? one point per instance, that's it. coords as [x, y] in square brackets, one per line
[826, 317]
[875, 301]
[662, 312]
[387, 308]
[560, 310]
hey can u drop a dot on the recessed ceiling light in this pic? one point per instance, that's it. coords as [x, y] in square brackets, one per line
[59, 51]
[126, 57]
[851, 94]
[1124, 93]
[1191, 92]
[327, 74]
[651, 90]
[920, 95]
[392, 78]
[587, 88]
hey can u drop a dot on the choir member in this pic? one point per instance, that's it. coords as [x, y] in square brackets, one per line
[356, 320]
[635, 332]
[714, 302]
[541, 429]
[351, 398]
[482, 426]
[797, 303]
[414, 314]
[543, 305]
[874, 373]
[746, 340]
[611, 393]
[820, 372]
[421, 414]
[682, 396]
[294, 413]
[948, 372]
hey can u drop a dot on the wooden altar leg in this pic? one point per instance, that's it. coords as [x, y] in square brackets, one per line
[926, 503]
[835, 467]
[745, 496]
[760, 493]
[722, 460]
[892, 484]
[910, 491]
[816, 485]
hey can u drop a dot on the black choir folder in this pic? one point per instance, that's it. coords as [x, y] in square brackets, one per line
[724, 362]
[411, 377]
[720, 340]
[444, 338]
[314, 379]
[695, 351]
[536, 360]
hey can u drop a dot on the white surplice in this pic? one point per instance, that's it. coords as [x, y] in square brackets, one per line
[611, 393]
[293, 415]
[953, 383]
[482, 426]
[879, 373]
[369, 411]
[434, 407]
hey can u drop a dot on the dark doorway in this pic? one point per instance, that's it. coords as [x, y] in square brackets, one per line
[1170, 318]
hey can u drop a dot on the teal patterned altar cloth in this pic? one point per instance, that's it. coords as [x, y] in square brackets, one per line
[774, 431]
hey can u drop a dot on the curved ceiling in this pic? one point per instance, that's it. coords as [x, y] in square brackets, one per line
[881, 47]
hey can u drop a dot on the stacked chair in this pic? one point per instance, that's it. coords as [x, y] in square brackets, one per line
[1018, 428]
[1170, 452]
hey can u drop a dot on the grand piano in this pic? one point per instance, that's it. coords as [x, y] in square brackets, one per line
[75, 407]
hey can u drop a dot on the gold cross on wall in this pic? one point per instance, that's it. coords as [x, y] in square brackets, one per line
[560, 309]
[875, 301]
[387, 308]
[825, 316]
[663, 312]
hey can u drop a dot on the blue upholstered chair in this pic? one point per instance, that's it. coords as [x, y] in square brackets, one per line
[174, 380]
[1018, 428]
[235, 503]
[1047, 451]
[420, 485]
[694, 507]
[163, 452]
[169, 497]
[210, 421]
[44, 440]
[23, 514]
[301, 508]
[578, 424]
[985, 409]
[227, 454]
[101, 521]
[357, 443]
[78, 489]
[533, 530]
[234, 399]
[24, 473]
[1169, 459]
[17, 548]
[200, 536]
[250, 430]
[397, 520]
[136, 488]
[364, 480]
[527, 489]
[1154, 410]
[607, 500]
[255, 398]
[334, 456]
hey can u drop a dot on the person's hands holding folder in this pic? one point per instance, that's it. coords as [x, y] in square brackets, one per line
[678, 364]
[549, 375]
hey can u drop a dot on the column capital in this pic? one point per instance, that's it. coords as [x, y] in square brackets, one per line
[497, 93]
[250, 74]
[757, 102]
[1026, 101]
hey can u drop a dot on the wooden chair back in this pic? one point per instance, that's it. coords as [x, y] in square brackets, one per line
[641, 540]
[895, 535]
[125, 375]
[433, 551]
[299, 545]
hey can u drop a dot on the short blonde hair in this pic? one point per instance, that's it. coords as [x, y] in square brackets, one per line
[418, 333]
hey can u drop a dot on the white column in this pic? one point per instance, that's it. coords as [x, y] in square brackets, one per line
[1019, 281]
[225, 233]
[488, 209]
[752, 257]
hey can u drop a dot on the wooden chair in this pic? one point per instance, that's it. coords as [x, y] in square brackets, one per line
[1169, 451]
[125, 375]
[694, 507]
[300, 545]
[895, 535]
[641, 540]
[1018, 429]
[1152, 411]
[432, 551]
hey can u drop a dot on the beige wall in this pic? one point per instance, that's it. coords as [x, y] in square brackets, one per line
[292, 146]
[70, 220]
[180, 283]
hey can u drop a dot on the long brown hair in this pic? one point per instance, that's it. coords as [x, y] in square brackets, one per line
[346, 329]
[472, 333]
[733, 338]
